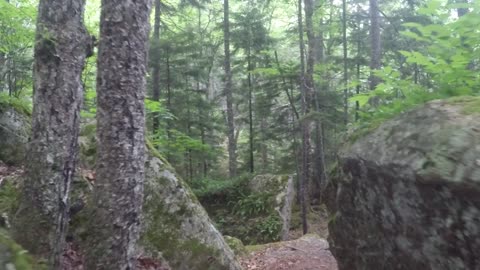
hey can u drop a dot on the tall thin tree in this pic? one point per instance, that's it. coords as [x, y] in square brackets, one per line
[376, 46]
[228, 92]
[305, 168]
[156, 63]
[345, 63]
[118, 196]
[61, 46]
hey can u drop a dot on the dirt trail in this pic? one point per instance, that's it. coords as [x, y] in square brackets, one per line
[309, 252]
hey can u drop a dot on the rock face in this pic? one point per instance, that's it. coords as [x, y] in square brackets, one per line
[282, 187]
[177, 225]
[14, 132]
[408, 194]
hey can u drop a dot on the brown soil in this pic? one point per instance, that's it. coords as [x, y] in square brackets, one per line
[306, 253]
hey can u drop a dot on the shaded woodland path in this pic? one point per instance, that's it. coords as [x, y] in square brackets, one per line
[306, 253]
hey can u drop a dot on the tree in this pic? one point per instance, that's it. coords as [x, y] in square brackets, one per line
[228, 92]
[118, 194]
[61, 46]
[345, 64]
[305, 169]
[156, 65]
[376, 46]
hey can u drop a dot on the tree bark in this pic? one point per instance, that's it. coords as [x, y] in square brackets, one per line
[118, 197]
[376, 46]
[304, 174]
[228, 92]
[461, 11]
[156, 65]
[345, 67]
[250, 110]
[61, 47]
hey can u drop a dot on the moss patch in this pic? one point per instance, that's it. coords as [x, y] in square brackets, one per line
[9, 196]
[236, 245]
[470, 104]
[163, 235]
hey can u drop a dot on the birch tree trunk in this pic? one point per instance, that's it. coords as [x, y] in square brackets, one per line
[61, 46]
[118, 197]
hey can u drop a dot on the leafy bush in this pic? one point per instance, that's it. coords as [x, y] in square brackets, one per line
[253, 204]
[269, 229]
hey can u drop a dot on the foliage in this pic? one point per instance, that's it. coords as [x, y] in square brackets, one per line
[8, 197]
[270, 228]
[450, 72]
[207, 190]
[21, 104]
[253, 204]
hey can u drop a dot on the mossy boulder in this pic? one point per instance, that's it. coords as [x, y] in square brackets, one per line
[236, 245]
[14, 132]
[407, 194]
[281, 188]
[176, 229]
[177, 225]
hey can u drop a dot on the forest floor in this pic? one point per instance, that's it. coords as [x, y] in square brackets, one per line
[308, 252]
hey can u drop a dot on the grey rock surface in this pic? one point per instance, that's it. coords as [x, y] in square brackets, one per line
[14, 132]
[178, 227]
[408, 195]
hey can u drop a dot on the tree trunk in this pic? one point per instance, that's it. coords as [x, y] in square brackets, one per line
[345, 67]
[304, 174]
[121, 83]
[228, 91]
[376, 49]
[461, 11]
[156, 65]
[250, 109]
[61, 46]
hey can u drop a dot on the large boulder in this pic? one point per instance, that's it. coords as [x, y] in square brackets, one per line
[177, 225]
[14, 132]
[408, 194]
[176, 230]
[282, 189]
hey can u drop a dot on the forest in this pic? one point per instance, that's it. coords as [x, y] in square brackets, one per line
[239, 134]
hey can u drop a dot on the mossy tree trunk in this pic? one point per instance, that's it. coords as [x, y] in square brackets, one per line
[118, 197]
[61, 46]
